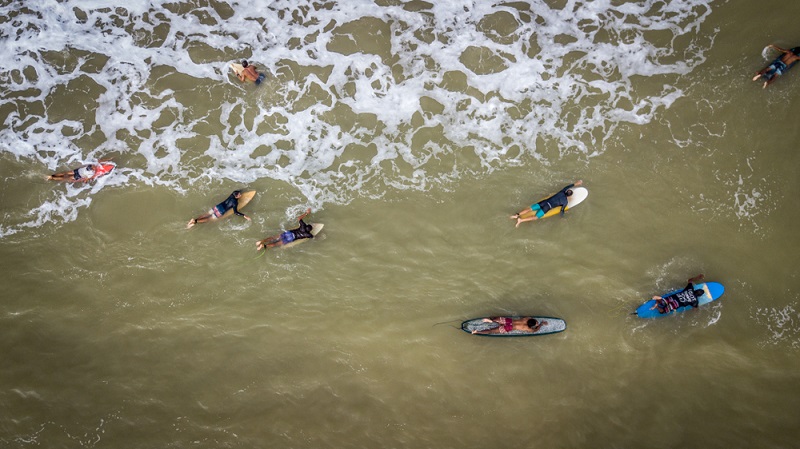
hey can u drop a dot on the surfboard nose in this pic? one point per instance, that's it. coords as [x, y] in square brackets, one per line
[715, 289]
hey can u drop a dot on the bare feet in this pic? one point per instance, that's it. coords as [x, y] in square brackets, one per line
[765, 84]
[259, 246]
[191, 223]
[755, 78]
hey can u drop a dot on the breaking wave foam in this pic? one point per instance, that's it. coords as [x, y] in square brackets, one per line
[361, 97]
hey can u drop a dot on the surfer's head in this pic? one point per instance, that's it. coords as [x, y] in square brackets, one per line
[568, 192]
[699, 292]
[531, 322]
[237, 193]
[244, 63]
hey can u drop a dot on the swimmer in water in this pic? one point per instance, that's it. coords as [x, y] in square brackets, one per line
[779, 66]
[232, 202]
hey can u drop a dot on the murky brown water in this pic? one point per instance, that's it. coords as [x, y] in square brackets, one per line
[119, 328]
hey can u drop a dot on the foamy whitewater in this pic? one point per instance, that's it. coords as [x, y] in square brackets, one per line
[442, 89]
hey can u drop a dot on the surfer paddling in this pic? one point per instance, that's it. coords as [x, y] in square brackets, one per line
[249, 74]
[537, 211]
[232, 202]
[684, 298]
[83, 173]
[525, 324]
[779, 66]
[286, 237]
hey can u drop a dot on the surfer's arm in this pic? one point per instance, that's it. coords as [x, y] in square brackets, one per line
[657, 299]
[305, 214]
[236, 211]
[778, 48]
[574, 184]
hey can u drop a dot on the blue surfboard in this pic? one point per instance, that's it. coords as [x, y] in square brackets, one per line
[713, 290]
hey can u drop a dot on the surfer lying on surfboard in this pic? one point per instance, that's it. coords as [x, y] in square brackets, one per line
[538, 210]
[232, 202]
[286, 237]
[249, 74]
[506, 325]
[686, 297]
[84, 173]
[779, 66]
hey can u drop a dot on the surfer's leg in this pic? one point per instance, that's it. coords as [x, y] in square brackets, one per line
[529, 212]
[524, 220]
[520, 213]
[279, 242]
[534, 213]
[761, 73]
[201, 219]
[770, 81]
[269, 242]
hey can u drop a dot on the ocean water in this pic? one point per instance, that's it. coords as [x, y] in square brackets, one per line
[412, 130]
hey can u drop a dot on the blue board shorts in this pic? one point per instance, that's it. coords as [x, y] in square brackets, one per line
[538, 209]
[260, 78]
[775, 69]
[287, 237]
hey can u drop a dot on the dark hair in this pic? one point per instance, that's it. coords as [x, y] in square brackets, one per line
[244, 63]
[699, 292]
[568, 192]
[531, 322]
[237, 192]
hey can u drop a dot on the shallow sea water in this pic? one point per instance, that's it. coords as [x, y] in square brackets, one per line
[413, 130]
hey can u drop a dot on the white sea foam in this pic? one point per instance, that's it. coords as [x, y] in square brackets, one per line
[781, 323]
[563, 75]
